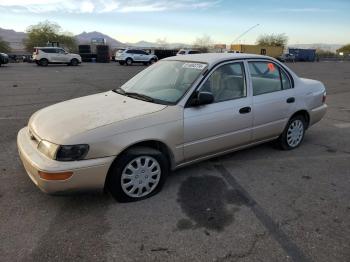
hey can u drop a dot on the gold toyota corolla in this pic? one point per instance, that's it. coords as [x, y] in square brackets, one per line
[176, 112]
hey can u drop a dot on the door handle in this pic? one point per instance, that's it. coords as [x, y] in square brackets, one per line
[290, 100]
[245, 110]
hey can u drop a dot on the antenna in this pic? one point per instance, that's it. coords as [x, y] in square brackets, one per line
[245, 32]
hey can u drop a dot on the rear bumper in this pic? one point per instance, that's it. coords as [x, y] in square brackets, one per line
[317, 114]
[87, 174]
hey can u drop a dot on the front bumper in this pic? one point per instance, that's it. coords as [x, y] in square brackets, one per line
[87, 174]
[317, 114]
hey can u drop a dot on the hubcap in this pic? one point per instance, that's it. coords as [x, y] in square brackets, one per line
[295, 133]
[140, 176]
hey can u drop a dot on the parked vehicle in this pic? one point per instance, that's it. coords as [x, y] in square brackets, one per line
[130, 56]
[286, 58]
[178, 111]
[303, 55]
[187, 52]
[4, 59]
[43, 56]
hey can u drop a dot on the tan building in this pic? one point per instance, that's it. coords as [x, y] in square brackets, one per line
[273, 51]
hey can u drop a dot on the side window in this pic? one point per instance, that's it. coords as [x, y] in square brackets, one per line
[60, 51]
[267, 77]
[286, 84]
[48, 50]
[130, 51]
[227, 82]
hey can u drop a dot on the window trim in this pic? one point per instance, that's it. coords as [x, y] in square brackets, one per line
[207, 74]
[280, 67]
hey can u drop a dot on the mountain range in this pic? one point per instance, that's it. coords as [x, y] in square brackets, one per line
[16, 38]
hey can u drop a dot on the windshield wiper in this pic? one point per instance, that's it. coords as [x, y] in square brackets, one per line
[139, 96]
[119, 90]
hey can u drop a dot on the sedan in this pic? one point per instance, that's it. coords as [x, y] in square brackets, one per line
[176, 112]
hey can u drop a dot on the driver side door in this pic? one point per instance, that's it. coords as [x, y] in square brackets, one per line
[227, 122]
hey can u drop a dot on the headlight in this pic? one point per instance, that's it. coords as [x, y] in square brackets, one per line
[72, 153]
[48, 149]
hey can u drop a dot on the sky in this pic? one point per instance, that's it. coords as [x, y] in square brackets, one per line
[182, 21]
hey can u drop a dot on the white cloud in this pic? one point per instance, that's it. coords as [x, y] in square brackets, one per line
[104, 6]
[87, 7]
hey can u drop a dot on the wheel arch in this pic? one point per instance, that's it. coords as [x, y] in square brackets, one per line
[304, 113]
[153, 144]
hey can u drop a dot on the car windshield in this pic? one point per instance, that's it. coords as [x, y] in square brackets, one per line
[164, 82]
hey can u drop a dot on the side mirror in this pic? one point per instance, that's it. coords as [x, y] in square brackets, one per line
[203, 98]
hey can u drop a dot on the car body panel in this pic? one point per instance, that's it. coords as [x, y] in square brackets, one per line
[111, 123]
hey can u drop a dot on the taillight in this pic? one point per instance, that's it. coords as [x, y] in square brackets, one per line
[324, 97]
[36, 51]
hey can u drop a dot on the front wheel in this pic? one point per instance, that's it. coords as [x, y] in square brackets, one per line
[138, 174]
[74, 62]
[293, 134]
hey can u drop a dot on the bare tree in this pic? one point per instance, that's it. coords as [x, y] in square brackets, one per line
[203, 43]
[273, 40]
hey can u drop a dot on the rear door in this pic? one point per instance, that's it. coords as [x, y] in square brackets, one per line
[273, 98]
[227, 122]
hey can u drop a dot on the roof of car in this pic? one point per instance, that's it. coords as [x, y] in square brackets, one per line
[214, 58]
[47, 47]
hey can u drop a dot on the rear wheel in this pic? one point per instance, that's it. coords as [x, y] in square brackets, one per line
[121, 62]
[44, 62]
[138, 174]
[293, 134]
[129, 61]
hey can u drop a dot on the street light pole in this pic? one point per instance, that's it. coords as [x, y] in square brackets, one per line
[245, 32]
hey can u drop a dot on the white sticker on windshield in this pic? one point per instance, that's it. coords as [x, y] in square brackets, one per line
[197, 66]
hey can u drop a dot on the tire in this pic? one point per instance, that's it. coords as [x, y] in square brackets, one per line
[152, 61]
[121, 62]
[129, 61]
[293, 134]
[74, 62]
[120, 174]
[44, 62]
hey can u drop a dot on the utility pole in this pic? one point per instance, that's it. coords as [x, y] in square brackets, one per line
[245, 32]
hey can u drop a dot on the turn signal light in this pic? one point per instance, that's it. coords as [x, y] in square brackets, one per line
[55, 176]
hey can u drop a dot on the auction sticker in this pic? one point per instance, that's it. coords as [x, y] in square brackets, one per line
[198, 66]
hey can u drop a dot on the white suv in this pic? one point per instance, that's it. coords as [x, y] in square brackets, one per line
[54, 55]
[130, 56]
[187, 52]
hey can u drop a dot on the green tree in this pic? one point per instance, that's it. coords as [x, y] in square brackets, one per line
[273, 40]
[44, 32]
[4, 46]
[344, 49]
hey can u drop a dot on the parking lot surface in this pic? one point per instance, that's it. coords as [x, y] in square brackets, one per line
[260, 204]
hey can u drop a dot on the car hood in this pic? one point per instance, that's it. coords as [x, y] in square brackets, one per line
[64, 120]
